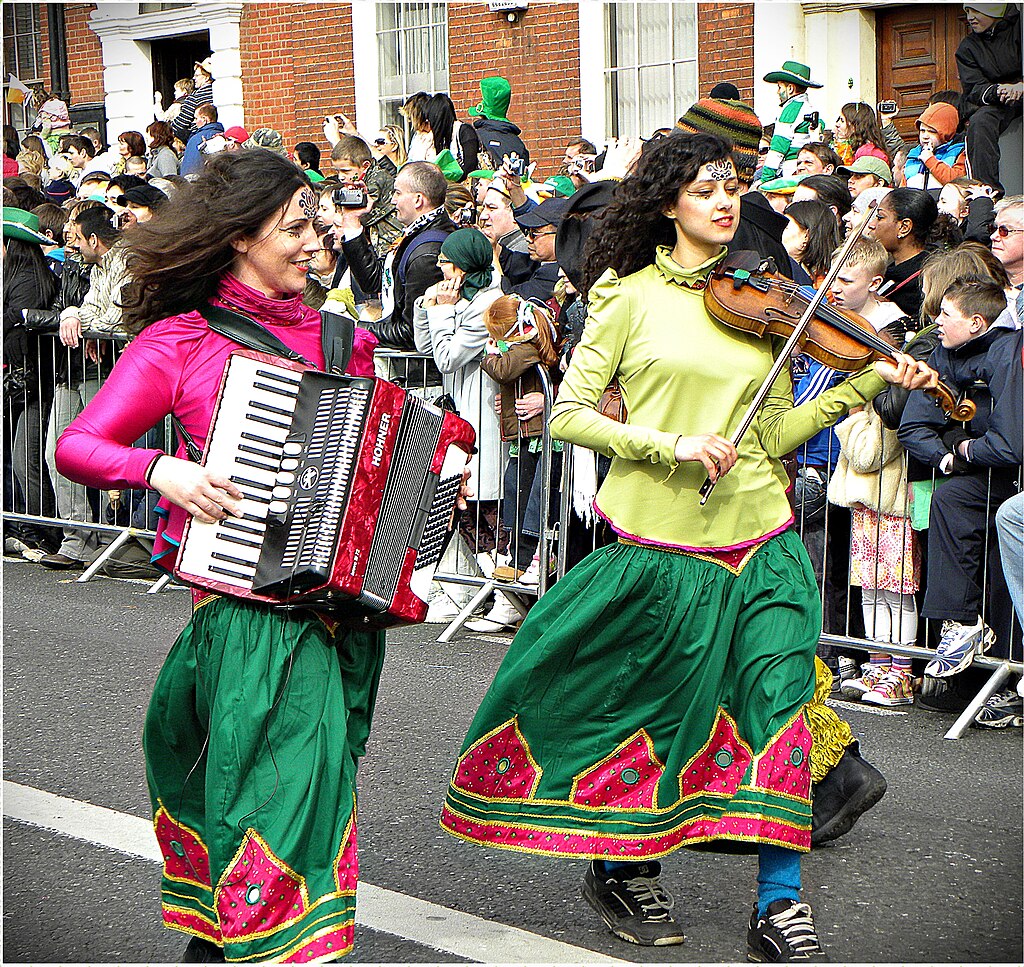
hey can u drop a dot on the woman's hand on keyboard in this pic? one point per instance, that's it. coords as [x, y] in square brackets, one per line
[207, 496]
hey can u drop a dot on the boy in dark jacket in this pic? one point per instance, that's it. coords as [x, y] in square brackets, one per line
[496, 132]
[978, 344]
[989, 63]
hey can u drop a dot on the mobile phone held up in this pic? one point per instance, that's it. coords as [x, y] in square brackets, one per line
[348, 197]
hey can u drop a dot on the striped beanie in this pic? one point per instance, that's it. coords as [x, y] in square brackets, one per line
[732, 120]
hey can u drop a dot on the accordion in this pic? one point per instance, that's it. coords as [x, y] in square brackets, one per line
[349, 486]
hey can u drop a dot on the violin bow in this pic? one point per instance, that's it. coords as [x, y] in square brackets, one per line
[792, 344]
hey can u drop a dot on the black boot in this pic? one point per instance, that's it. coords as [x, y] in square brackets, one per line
[200, 951]
[848, 791]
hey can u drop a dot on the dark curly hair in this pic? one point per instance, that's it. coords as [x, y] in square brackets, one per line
[176, 261]
[633, 225]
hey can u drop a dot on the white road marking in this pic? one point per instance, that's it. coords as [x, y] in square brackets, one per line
[410, 918]
[861, 707]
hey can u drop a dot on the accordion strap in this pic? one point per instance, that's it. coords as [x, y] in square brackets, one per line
[247, 332]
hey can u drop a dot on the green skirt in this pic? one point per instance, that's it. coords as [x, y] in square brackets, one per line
[254, 730]
[651, 700]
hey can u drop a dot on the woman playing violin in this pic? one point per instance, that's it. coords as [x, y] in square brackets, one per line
[654, 699]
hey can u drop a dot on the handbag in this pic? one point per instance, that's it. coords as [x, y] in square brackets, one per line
[611, 403]
[18, 384]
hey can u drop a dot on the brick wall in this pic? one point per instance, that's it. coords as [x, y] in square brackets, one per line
[296, 67]
[85, 56]
[540, 57]
[725, 47]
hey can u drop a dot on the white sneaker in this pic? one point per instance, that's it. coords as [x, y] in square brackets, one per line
[441, 610]
[531, 576]
[503, 615]
[486, 562]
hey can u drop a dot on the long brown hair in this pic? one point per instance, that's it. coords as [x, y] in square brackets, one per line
[863, 124]
[502, 316]
[161, 133]
[177, 260]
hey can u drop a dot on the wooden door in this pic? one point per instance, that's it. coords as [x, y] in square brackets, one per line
[916, 56]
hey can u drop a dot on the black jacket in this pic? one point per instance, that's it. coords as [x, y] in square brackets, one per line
[396, 330]
[539, 285]
[985, 60]
[74, 284]
[500, 138]
[24, 290]
[993, 361]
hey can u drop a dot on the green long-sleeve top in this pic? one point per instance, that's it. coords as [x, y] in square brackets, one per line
[684, 374]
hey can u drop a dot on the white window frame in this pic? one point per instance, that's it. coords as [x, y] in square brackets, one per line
[595, 71]
[20, 116]
[366, 61]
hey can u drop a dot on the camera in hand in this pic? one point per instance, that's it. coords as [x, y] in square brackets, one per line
[348, 197]
[888, 107]
[516, 165]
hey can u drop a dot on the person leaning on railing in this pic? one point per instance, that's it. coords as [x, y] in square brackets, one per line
[979, 466]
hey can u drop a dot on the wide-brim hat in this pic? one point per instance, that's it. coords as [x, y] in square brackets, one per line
[794, 72]
[574, 232]
[23, 225]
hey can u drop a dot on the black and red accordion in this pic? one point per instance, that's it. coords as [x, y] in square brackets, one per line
[349, 488]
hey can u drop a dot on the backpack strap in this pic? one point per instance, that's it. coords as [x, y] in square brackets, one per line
[429, 235]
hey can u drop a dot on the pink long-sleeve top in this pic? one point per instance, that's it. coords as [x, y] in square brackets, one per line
[175, 366]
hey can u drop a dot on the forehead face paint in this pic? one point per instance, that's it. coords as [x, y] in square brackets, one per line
[308, 202]
[720, 170]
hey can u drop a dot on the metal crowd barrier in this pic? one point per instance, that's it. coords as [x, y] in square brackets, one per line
[470, 564]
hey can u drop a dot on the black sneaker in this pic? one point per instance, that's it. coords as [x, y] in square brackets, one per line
[848, 791]
[634, 905]
[786, 933]
[201, 951]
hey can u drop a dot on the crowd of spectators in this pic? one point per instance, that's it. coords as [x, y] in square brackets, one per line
[444, 238]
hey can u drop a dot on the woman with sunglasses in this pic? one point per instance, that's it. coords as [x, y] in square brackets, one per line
[389, 147]
[654, 698]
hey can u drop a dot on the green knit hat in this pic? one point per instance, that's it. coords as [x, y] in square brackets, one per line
[495, 97]
[732, 120]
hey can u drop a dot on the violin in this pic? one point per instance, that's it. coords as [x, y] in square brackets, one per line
[744, 294]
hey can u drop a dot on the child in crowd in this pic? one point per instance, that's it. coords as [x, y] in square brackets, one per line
[979, 343]
[939, 158]
[870, 478]
[182, 89]
[522, 336]
[857, 134]
[970, 204]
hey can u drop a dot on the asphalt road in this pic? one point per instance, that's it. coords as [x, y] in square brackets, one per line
[932, 874]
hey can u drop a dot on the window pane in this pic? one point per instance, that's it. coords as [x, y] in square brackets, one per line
[656, 109]
[654, 32]
[621, 34]
[686, 87]
[387, 16]
[388, 57]
[684, 22]
[622, 104]
[26, 56]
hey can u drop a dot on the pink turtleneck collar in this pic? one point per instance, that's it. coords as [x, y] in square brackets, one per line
[235, 294]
